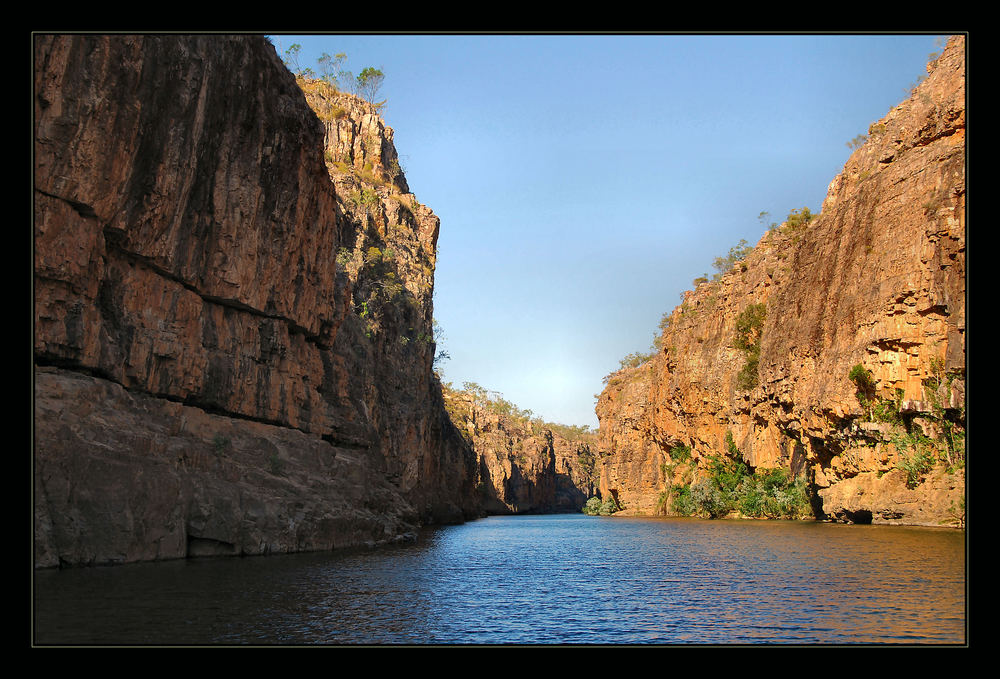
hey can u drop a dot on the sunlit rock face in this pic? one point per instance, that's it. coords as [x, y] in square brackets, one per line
[877, 280]
[222, 366]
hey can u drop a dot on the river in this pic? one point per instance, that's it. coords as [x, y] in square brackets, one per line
[555, 579]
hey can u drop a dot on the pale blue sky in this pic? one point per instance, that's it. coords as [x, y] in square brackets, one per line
[583, 181]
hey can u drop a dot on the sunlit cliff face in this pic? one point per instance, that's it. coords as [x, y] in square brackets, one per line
[877, 280]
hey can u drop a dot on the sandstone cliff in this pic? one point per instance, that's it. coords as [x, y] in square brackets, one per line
[526, 465]
[232, 337]
[768, 352]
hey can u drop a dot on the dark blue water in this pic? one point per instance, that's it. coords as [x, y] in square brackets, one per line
[563, 579]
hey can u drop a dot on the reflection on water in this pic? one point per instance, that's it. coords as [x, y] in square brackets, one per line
[563, 579]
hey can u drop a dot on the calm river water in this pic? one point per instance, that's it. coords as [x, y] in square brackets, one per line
[558, 579]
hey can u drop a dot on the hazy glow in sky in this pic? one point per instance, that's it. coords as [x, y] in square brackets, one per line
[584, 181]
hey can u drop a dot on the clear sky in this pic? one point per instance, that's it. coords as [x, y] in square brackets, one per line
[583, 181]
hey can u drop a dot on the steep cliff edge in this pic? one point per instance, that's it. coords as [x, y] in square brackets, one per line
[834, 351]
[227, 361]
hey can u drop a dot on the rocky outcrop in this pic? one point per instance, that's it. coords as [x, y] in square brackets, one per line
[223, 362]
[525, 464]
[877, 280]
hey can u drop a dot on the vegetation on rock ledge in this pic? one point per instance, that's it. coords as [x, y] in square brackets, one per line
[728, 486]
[749, 325]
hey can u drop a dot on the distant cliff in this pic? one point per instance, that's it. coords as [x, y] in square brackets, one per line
[233, 334]
[526, 465]
[834, 351]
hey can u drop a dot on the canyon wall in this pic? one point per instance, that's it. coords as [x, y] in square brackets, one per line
[876, 280]
[232, 334]
[526, 465]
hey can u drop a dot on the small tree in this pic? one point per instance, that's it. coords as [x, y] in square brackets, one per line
[368, 83]
[330, 67]
[857, 142]
[864, 384]
[292, 58]
[593, 506]
[736, 253]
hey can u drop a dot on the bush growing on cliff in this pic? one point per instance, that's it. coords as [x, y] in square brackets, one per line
[857, 142]
[922, 459]
[799, 218]
[635, 359]
[736, 253]
[730, 486]
[864, 386]
[291, 58]
[749, 325]
[862, 379]
[680, 453]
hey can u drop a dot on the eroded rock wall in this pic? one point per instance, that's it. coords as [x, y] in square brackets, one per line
[196, 332]
[876, 279]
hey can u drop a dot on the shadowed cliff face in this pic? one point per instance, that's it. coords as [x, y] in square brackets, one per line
[876, 280]
[191, 313]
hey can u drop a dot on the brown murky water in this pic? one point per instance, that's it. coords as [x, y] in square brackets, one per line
[560, 579]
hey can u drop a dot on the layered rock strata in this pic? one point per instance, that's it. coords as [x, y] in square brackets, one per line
[216, 372]
[877, 280]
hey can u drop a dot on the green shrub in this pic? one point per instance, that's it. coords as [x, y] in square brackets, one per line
[864, 385]
[596, 507]
[861, 377]
[920, 461]
[731, 486]
[746, 378]
[681, 501]
[736, 253]
[680, 453]
[749, 325]
[710, 499]
[635, 359]
[887, 409]
[799, 218]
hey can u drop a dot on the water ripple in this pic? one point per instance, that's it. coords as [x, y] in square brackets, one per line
[565, 579]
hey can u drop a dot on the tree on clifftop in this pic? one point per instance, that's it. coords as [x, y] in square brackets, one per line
[368, 83]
